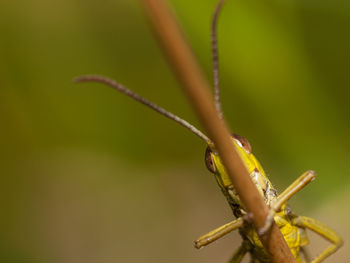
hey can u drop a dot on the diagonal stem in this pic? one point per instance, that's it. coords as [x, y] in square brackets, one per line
[197, 89]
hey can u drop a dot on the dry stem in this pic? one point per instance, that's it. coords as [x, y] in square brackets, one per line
[197, 89]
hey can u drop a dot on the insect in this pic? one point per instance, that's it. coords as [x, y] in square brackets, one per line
[293, 227]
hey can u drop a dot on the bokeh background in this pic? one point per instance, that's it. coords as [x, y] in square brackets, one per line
[88, 175]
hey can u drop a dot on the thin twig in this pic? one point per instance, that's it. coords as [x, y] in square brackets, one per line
[197, 89]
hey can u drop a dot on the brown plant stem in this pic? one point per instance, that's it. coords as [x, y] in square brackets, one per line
[197, 89]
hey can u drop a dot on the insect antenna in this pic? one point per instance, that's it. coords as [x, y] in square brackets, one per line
[214, 47]
[126, 91]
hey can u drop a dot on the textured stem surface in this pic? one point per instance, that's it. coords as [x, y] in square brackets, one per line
[197, 89]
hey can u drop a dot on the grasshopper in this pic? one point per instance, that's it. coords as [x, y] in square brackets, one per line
[292, 227]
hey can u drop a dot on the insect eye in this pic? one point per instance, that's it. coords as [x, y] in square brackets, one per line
[209, 162]
[244, 142]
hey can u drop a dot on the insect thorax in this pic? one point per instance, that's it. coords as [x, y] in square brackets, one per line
[263, 185]
[294, 236]
[254, 168]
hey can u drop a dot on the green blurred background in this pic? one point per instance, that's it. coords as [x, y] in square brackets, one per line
[87, 175]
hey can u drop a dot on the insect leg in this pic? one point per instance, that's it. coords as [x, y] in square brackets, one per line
[240, 253]
[322, 230]
[218, 233]
[291, 190]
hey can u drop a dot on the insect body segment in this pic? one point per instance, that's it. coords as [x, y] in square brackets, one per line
[253, 166]
[291, 226]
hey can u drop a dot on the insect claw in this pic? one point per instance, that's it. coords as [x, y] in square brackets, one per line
[197, 244]
[248, 218]
[268, 223]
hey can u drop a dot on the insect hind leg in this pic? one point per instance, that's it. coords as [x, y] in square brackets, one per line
[322, 230]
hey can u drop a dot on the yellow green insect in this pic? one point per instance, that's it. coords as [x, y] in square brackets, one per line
[291, 226]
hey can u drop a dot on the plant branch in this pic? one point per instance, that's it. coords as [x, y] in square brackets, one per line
[197, 89]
